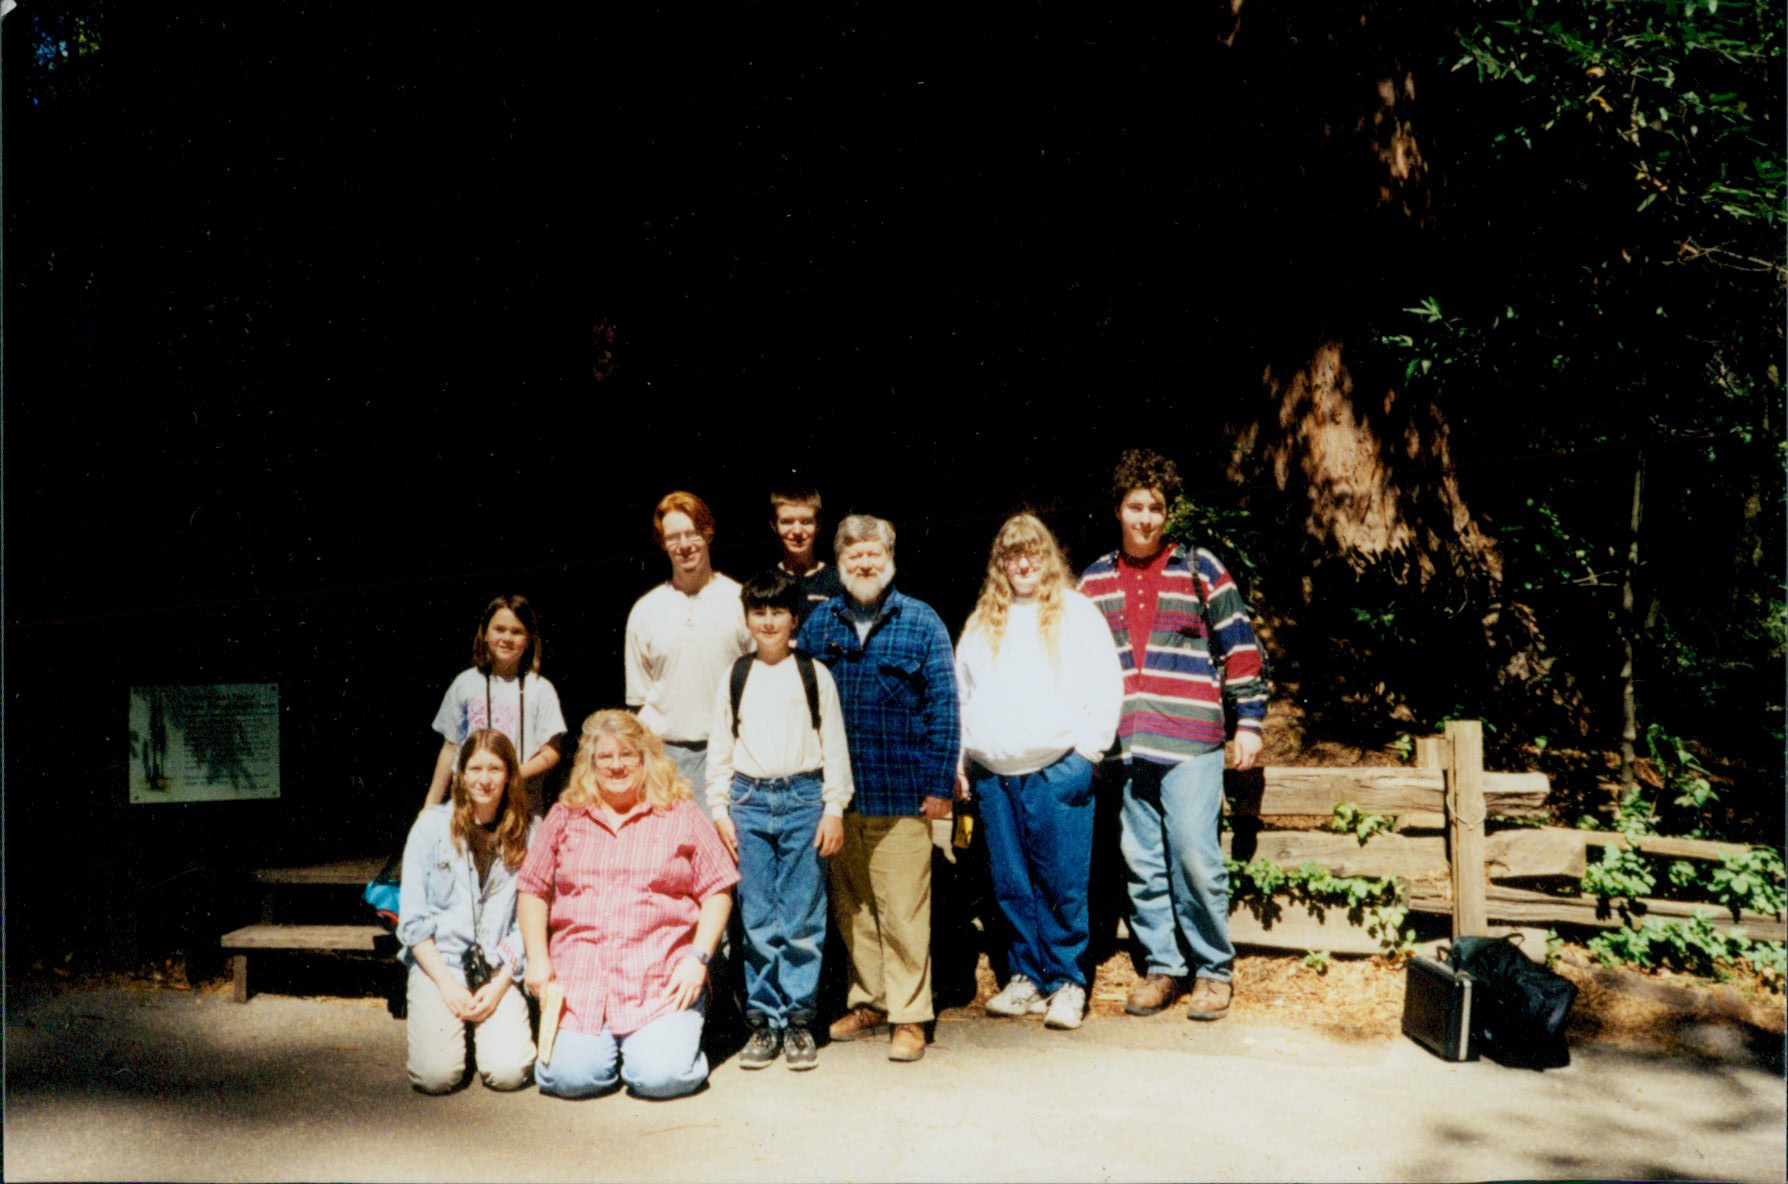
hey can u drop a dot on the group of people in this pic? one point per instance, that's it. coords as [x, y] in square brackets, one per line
[791, 741]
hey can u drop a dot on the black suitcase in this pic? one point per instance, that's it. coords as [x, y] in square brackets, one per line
[1437, 1010]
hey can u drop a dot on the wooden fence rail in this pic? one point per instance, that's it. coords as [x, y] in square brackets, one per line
[1524, 876]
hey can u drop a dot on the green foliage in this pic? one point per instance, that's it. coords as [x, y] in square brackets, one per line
[1637, 71]
[1691, 793]
[1621, 873]
[1404, 746]
[1554, 943]
[1608, 280]
[1376, 903]
[1227, 531]
[1752, 880]
[1349, 819]
[1317, 960]
[1693, 946]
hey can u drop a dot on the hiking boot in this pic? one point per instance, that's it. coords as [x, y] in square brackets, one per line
[1152, 994]
[860, 1021]
[1021, 997]
[907, 1043]
[761, 1048]
[798, 1050]
[1066, 1007]
[1210, 999]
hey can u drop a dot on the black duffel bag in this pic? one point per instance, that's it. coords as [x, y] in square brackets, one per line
[1519, 1013]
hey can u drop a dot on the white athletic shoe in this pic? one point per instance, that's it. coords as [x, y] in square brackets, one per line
[1066, 1006]
[1021, 997]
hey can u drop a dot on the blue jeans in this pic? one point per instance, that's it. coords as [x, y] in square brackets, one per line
[692, 761]
[782, 895]
[664, 1059]
[1039, 834]
[1179, 887]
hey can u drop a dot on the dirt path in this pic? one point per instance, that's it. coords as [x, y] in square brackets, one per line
[188, 1086]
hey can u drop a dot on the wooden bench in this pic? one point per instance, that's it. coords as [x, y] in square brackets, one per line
[359, 939]
[342, 873]
[277, 883]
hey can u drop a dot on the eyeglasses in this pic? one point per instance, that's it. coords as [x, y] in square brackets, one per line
[1032, 555]
[681, 537]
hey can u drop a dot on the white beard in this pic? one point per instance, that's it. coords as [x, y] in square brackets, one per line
[868, 591]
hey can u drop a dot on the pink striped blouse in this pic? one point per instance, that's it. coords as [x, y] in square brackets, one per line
[622, 906]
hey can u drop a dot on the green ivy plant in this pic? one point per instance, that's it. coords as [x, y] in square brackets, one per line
[1693, 946]
[1349, 819]
[1621, 874]
[1554, 944]
[1376, 903]
[1752, 880]
[1317, 960]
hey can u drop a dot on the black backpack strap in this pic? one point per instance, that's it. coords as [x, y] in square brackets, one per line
[810, 684]
[741, 671]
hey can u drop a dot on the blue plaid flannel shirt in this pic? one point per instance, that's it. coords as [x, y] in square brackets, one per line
[898, 693]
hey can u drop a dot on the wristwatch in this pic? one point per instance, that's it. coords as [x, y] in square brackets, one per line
[699, 956]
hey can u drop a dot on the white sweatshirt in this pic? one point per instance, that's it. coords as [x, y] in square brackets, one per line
[1020, 711]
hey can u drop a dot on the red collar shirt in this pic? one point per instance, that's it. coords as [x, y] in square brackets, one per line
[622, 904]
[1142, 581]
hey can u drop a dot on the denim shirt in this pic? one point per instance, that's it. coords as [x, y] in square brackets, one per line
[435, 898]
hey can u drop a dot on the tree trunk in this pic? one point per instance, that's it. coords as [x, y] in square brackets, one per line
[1396, 572]
[1629, 626]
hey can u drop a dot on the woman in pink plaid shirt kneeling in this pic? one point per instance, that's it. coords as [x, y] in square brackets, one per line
[622, 900]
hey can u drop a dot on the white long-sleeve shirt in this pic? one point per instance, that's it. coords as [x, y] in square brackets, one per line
[776, 736]
[678, 647]
[1020, 711]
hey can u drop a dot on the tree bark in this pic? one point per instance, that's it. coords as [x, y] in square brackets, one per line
[1629, 626]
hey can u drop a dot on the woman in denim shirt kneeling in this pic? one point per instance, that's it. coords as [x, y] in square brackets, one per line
[457, 924]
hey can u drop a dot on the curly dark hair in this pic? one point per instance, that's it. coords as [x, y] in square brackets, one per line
[1141, 468]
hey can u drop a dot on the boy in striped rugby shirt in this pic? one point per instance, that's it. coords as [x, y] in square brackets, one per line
[1158, 599]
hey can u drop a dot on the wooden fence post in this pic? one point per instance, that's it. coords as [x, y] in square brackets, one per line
[1465, 825]
[1431, 752]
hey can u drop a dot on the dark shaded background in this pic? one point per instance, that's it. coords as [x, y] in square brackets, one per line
[298, 309]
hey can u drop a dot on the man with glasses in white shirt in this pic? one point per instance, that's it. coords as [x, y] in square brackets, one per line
[683, 637]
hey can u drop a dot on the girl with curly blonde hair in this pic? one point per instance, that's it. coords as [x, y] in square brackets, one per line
[1040, 688]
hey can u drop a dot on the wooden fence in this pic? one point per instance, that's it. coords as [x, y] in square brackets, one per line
[1442, 852]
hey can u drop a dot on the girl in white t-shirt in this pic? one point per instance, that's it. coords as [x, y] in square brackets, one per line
[502, 690]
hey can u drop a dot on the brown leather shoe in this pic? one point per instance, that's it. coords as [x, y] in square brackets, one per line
[857, 1023]
[907, 1043]
[1151, 994]
[1210, 1000]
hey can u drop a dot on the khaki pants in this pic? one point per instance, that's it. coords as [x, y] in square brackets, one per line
[503, 1045]
[881, 899]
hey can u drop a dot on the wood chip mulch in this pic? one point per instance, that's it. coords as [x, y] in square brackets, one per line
[1362, 999]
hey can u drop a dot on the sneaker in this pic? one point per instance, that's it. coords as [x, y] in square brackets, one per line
[907, 1043]
[1021, 997]
[1066, 1007]
[761, 1049]
[1152, 994]
[798, 1050]
[860, 1021]
[1210, 999]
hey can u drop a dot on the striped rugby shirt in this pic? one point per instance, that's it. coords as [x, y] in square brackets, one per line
[1173, 705]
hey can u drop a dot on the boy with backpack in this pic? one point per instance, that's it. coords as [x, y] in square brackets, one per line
[778, 781]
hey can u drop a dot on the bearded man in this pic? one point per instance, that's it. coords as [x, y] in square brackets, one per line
[891, 659]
